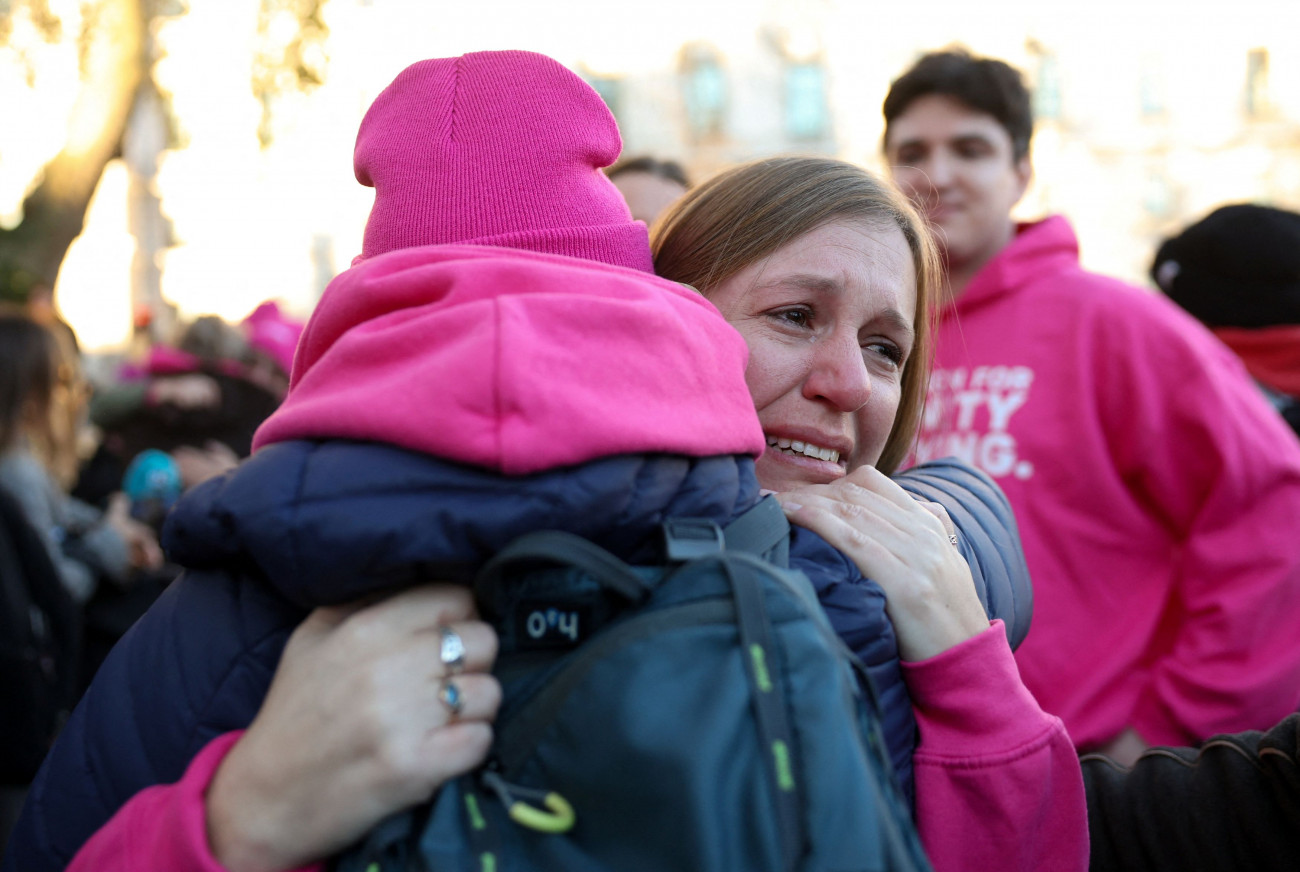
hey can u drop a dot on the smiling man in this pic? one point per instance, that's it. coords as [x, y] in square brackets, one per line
[1157, 495]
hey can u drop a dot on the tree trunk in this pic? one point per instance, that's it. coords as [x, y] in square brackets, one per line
[114, 63]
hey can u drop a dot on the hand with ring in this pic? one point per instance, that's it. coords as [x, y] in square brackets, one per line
[373, 707]
[451, 651]
[903, 544]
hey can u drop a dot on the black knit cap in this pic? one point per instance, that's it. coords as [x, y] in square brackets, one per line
[1237, 267]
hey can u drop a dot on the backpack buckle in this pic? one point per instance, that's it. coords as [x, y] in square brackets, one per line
[691, 538]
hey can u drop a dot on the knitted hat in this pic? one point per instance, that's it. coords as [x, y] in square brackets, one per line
[1237, 267]
[495, 148]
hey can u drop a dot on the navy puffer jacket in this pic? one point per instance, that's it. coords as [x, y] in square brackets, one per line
[303, 524]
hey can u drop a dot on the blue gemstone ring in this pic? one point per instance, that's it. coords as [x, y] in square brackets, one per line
[452, 651]
[451, 697]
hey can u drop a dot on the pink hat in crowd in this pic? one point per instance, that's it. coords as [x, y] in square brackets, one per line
[273, 333]
[453, 161]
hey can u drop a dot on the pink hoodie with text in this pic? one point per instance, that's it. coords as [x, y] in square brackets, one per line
[1157, 495]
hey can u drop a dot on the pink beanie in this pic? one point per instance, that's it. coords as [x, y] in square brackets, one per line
[495, 148]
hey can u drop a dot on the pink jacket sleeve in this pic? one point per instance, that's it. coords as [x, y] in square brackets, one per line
[163, 828]
[998, 782]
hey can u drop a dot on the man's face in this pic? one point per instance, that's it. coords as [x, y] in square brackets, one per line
[647, 194]
[956, 165]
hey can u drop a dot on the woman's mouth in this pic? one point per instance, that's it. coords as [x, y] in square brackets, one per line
[804, 449]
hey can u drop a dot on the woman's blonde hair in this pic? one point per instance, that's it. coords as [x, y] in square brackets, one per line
[744, 214]
[42, 392]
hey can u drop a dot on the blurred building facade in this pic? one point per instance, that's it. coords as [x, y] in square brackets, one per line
[1149, 115]
[1143, 124]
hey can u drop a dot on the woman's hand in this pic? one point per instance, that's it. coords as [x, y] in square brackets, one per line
[358, 724]
[902, 544]
[141, 542]
[1126, 748]
[197, 465]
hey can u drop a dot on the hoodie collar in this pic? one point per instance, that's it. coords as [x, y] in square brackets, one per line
[1038, 247]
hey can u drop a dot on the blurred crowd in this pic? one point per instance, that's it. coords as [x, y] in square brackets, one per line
[87, 474]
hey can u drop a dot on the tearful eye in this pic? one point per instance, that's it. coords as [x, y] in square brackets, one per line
[886, 351]
[800, 317]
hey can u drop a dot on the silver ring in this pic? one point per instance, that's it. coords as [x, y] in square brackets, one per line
[451, 696]
[952, 537]
[452, 651]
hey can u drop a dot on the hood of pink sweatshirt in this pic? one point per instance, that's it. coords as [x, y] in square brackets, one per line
[1046, 246]
[517, 361]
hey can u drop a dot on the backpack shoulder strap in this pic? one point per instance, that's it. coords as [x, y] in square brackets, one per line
[762, 531]
[558, 548]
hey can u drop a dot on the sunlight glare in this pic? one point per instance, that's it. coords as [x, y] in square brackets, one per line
[94, 286]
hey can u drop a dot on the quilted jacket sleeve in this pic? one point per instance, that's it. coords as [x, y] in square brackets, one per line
[986, 534]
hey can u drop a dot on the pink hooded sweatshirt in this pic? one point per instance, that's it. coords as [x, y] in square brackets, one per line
[1157, 495]
[997, 780]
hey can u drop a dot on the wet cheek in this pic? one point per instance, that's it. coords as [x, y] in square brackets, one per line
[769, 375]
[755, 381]
[872, 425]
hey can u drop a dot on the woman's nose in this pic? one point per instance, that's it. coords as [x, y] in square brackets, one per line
[839, 374]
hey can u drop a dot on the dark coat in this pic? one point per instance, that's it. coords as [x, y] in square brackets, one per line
[304, 524]
[1232, 804]
[38, 647]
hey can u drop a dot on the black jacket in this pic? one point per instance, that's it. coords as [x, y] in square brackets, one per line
[1232, 804]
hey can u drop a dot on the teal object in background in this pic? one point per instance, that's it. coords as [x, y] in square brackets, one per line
[152, 482]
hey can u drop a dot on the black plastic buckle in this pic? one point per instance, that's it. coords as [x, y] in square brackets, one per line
[691, 538]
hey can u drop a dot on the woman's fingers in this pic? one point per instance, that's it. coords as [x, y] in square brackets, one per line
[458, 748]
[857, 522]
[424, 607]
[949, 528]
[905, 546]
[867, 491]
[469, 697]
[478, 640]
[393, 710]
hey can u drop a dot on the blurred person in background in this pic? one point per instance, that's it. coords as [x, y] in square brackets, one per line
[1156, 491]
[1237, 271]
[649, 185]
[184, 414]
[199, 400]
[42, 403]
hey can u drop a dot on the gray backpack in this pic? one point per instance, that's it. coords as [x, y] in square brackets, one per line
[698, 714]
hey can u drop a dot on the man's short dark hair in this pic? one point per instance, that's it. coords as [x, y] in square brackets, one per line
[660, 167]
[983, 84]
